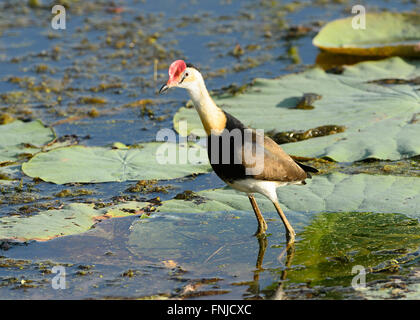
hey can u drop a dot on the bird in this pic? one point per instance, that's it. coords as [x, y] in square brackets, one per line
[272, 167]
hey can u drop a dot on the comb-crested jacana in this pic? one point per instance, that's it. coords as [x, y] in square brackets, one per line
[276, 169]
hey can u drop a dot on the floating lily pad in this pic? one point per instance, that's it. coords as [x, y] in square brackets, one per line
[386, 34]
[330, 193]
[20, 137]
[377, 118]
[98, 164]
[336, 192]
[73, 218]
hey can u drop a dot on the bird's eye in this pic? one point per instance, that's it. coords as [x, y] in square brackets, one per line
[186, 74]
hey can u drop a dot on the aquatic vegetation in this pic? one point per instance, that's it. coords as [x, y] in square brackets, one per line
[349, 99]
[133, 228]
[335, 192]
[295, 136]
[148, 186]
[71, 219]
[18, 138]
[388, 34]
[87, 165]
[335, 242]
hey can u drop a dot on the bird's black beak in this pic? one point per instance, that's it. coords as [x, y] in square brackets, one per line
[163, 89]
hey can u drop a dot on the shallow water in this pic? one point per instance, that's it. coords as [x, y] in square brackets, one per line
[202, 255]
[167, 256]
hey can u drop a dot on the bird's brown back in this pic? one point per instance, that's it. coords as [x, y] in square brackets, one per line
[278, 165]
[274, 164]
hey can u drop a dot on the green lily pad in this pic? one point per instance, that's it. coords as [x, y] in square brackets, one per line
[73, 218]
[21, 137]
[99, 164]
[386, 34]
[378, 119]
[335, 192]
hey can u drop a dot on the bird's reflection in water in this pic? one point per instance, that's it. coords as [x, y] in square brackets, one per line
[286, 255]
[290, 253]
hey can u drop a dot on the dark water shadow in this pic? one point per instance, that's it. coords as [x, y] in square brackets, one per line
[333, 62]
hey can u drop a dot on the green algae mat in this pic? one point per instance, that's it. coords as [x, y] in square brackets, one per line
[333, 242]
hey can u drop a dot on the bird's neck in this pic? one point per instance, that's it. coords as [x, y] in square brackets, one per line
[212, 117]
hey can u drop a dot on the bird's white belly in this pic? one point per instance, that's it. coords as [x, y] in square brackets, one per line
[250, 186]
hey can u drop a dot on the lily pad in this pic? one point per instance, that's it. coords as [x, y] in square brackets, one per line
[385, 34]
[99, 164]
[73, 218]
[20, 137]
[377, 118]
[335, 192]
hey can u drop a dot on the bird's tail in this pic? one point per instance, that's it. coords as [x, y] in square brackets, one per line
[307, 169]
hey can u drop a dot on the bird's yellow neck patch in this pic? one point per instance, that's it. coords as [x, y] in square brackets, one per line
[212, 117]
[214, 120]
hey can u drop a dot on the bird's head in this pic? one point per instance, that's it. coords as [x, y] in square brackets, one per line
[184, 76]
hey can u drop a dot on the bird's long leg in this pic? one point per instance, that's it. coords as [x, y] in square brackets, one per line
[262, 225]
[290, 233]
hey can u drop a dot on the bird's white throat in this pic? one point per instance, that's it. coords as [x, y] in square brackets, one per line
[212, 117]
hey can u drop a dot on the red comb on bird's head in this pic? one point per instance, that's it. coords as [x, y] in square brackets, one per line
[175, 70]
